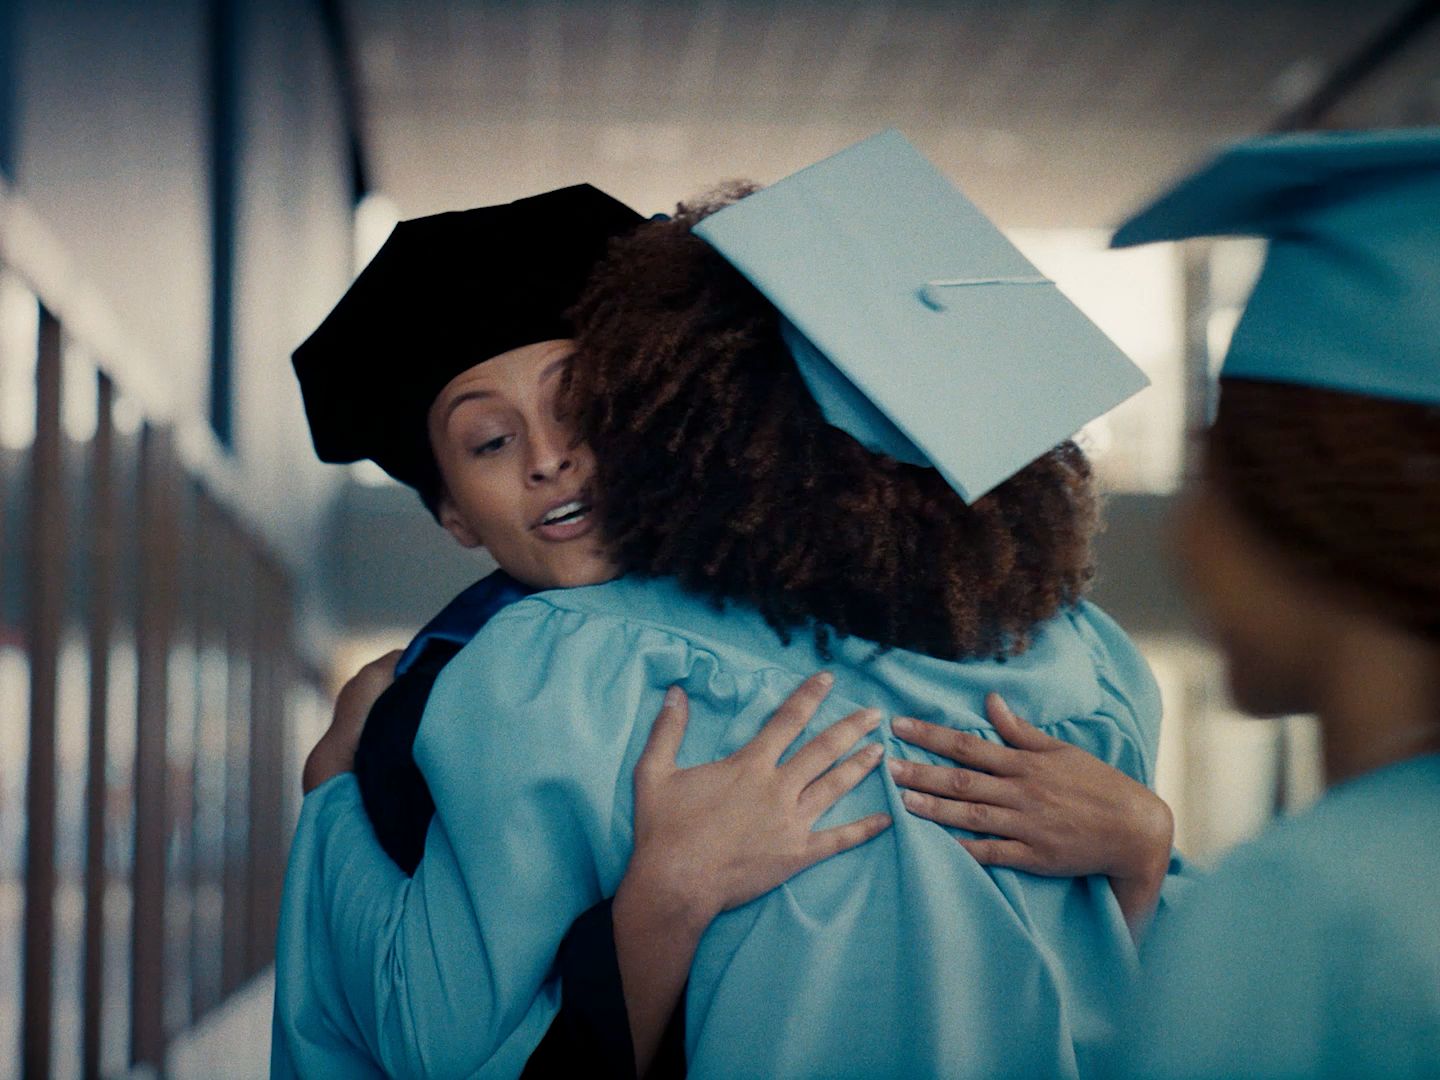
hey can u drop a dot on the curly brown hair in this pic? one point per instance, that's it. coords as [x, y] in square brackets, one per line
[1348, 485]
[716, 467]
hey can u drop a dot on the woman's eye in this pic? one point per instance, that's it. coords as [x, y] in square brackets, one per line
[491, 446]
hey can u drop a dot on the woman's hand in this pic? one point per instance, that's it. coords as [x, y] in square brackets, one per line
[335, 752]
[716, 835]
[1052, 808]
[711, 837]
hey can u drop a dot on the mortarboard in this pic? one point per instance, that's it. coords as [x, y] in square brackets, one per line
[1349, 296]
[918, 327]
[444, 293]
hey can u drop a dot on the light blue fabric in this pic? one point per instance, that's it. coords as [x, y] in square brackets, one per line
[1348, 296]
[844, 405]
[900, 958]
[1312, 952]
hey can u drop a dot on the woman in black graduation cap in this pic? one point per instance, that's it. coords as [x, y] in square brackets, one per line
[521, 278]
[496, 283]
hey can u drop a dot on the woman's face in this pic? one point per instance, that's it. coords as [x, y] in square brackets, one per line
[515, 481]
[1274, 627]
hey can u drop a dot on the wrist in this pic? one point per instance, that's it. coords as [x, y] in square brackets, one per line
[323, 763]
[665, 898]
[1147, 856]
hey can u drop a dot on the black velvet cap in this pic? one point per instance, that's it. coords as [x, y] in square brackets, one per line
[444, 293]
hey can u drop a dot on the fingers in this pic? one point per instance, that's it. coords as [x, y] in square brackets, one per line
[667, 734]
[961, 747]
[976, 817]
[824, 792]
[1015, 731]
[375, 676]
[832, 841]
[830, 746]
[789, 720]
[1011, 853]
[378, 673]
[952, 782]
[360, 692]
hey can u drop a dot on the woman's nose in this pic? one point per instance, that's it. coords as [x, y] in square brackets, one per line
[549, 469]
[553, 456]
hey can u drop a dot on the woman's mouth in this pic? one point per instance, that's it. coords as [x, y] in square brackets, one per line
[566, 521]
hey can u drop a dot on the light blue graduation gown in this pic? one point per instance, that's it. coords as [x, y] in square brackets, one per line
[902, 958]
[1313, 951]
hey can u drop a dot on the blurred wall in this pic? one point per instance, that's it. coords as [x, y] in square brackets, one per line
[178, 185]
[112, 144]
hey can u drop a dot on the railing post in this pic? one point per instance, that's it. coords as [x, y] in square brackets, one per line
[182, 727]
[267, 748]
[153, 630]
[209, 631]
[239, 640]
[264, 779]
[104, 546]
[45, 612]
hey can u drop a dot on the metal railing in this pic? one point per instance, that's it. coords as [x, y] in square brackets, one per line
[156, 633]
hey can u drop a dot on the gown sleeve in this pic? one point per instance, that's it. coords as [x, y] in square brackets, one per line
[451, 972]
[591, 1032]
[1132, 702]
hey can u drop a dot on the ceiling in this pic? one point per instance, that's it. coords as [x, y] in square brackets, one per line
[1047, 112]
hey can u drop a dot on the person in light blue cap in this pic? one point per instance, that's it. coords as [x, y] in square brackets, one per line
[929, 551]
[1312, 544]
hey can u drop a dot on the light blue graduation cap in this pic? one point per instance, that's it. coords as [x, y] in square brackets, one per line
[1349, 297]
[917, 326]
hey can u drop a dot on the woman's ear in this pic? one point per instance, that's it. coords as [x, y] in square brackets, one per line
[456, 525]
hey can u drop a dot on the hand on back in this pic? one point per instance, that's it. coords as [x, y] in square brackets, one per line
[334, 753]
[1041, 804]
[711, 837]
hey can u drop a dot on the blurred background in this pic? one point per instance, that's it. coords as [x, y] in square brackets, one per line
[186, 186]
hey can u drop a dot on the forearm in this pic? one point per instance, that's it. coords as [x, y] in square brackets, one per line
[1137, 898]
[358, 949]
[318, 1023]
[657, 931]
[1137, 882]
